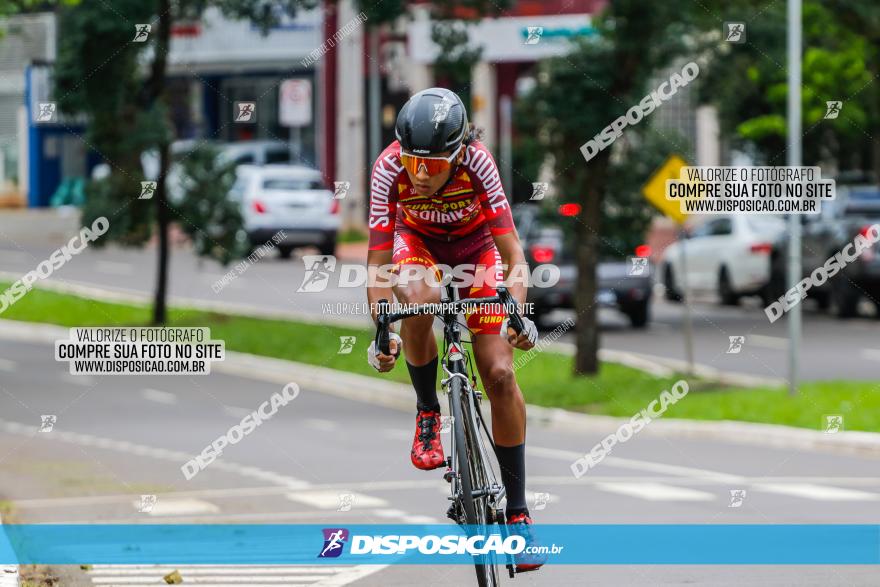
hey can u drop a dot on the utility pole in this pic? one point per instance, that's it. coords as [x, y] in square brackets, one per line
[794, 160]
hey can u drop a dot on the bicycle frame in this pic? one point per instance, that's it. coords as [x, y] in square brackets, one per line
[468, 425]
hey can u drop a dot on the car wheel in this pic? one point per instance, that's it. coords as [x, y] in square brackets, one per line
[327, 247]
[725, 289]
[638, 315]
[844, 298]
[285, 251]
[671, 293]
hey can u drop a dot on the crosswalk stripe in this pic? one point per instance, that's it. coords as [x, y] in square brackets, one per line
[333, 500]
[181, 507]
[234, 570]
[227, 579]
[656, 491]
[222, 575]
[817, 492]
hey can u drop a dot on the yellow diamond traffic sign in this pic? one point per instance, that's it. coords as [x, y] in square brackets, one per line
[655, 188]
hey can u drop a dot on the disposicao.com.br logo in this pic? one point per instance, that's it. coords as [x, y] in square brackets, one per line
[336, 538]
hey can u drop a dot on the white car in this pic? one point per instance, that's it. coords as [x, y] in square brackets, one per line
[287, 198]
[727, 255]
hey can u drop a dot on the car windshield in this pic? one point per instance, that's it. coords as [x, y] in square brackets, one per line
[291, 184]
[861, 200]
[765, 223]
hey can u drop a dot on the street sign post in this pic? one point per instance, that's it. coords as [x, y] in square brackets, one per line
[654, 191]
[295, 111]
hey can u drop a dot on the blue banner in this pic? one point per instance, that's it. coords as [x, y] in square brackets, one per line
[292, 544]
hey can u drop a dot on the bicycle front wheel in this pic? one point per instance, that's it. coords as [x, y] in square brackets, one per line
[472, 475]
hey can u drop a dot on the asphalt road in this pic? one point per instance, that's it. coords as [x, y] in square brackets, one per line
[831, 349]
[117, 438]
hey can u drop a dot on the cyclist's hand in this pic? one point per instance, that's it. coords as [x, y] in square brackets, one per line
[525, 339]
[381, 362]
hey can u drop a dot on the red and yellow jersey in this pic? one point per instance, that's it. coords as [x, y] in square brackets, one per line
[473, 198]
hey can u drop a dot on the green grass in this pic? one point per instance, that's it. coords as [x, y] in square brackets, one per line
[546, 379]
[352, 235]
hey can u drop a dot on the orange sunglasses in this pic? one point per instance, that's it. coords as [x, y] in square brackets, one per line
[432, 165]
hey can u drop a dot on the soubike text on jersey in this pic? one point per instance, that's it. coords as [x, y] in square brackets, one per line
[457, 203]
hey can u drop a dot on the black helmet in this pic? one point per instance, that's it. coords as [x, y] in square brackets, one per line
[432, 121]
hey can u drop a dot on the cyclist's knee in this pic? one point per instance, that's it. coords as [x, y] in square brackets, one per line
[499, 379]
[416, 293]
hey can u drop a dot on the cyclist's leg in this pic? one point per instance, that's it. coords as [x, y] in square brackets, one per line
[494, 358]
[412, 258]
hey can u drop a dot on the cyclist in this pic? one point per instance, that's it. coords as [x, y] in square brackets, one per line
[436, 198]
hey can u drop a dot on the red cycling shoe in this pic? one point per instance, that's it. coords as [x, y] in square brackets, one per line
[525, 561]
[427, 451]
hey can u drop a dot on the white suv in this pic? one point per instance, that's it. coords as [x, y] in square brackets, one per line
[287, 198]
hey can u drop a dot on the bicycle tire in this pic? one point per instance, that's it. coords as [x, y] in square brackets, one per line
[462, 452]
[471, 473]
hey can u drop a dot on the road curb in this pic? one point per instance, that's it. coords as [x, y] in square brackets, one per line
[657, 366]
[141, 299]
[401, 397]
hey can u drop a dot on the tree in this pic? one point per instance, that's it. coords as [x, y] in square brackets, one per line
[578, 95]
[120, 85]
[749, 86]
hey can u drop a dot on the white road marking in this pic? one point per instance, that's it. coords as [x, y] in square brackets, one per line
[237, 412]
[404, 517]
[209, 570]
[322, 425]
[225, 575]
[427, 484]
[9, 576]
[179, 457]
[331, 500]
[656, 491]
[871, 354]
[181, 507]
[114, 268]
[9, 366]
[210, 579]
[817, 492]
[571, 456]
[158, 396]
[83, 380]
[305, 517]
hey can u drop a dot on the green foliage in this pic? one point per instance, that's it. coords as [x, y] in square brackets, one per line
[748, 84]
[128, 226]
[626, 215]
[97, 72]
[263, 14]
[456, 57]
[206, 213]
[381, 12]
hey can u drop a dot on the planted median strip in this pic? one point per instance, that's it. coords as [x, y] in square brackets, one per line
[546, 379]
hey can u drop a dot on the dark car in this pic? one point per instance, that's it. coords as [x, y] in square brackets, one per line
[855, 209]
[619, 286]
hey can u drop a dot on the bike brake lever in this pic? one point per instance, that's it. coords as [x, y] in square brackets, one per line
[383, 338]
[513, 318]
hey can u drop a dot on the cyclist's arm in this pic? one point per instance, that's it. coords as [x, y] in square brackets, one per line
[514, 261]
[378, 287]
[383, 212]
